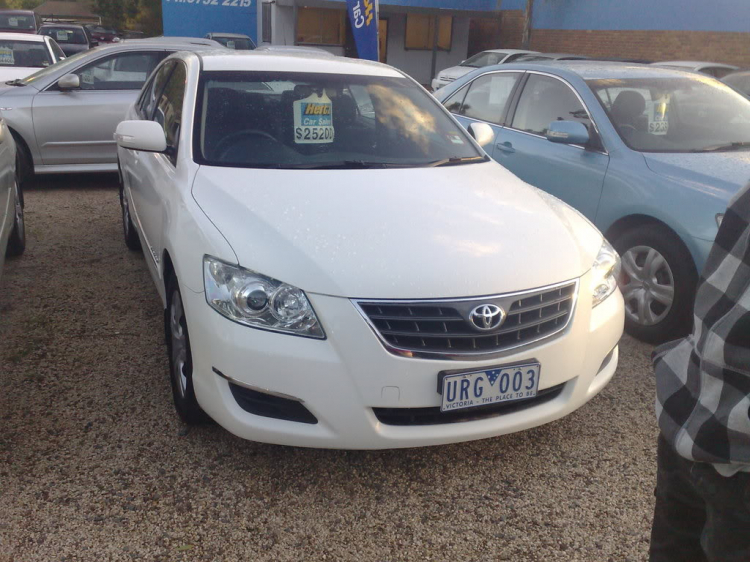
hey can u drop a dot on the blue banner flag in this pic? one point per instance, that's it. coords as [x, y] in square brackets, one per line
[363, 15]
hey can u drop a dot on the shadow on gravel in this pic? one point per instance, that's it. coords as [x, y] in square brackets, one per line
[89, 182]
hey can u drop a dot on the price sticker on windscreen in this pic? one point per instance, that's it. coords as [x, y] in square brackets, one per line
[658, 122]
[313, 120]
[6, 56]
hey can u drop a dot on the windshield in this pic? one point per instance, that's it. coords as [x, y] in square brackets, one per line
[70, 36]
[675, 114]
[17, 22]
[301, 120]
[24, 54]
[485, 58]
[237, 43]
[65, 63]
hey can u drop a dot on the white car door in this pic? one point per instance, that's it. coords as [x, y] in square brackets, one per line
[152, 174]
[77, 127]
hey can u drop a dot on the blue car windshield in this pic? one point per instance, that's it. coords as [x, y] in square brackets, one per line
[676, 114]
[307, 121]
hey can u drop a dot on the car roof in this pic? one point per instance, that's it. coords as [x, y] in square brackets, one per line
[692, 64]
[19, 12]
[238, 35]
[229, 60]
[510, 51]
[22, 37]
[188, 42]
[596, 70]
[65, 25]
[558, 55]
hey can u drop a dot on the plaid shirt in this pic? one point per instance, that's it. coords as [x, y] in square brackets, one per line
[703, 381]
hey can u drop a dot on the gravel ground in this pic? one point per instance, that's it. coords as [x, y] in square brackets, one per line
[95, 465]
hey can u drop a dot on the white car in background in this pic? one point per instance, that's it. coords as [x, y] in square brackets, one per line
[715, 69]
[22, 54]
[484, 58]
[341, 277]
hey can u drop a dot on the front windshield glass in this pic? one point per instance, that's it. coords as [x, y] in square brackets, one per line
[676, 114]
[70, 63]
[70, 36]
[24, 54]
[303, 120]
[17, 22]
[237, 43]
[485, 58]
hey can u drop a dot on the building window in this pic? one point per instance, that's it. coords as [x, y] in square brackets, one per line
[420, 32]
[319, 26]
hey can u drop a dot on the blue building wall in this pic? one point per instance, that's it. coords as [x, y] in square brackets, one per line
[668, 15]
[195, 18]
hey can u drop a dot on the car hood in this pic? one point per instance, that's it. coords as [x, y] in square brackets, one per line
[455, 72]
[717, 174]
[457, 231]
[14, 72]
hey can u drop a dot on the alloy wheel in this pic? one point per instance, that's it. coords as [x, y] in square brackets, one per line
[179, 343]
[647, 285]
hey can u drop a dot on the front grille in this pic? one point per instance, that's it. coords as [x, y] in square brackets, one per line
[433, 416]
[442, 327]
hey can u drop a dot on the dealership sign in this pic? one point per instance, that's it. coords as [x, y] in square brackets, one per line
[363, 15]
[195, 18]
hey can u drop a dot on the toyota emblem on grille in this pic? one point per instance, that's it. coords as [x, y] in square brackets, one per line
[487, 317]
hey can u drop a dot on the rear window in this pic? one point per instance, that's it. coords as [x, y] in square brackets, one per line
[24, 54]
[17, 22]
[65, 35]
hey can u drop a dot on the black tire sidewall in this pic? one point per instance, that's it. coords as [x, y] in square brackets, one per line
[17, 240]
[187, 406]
[679, 320]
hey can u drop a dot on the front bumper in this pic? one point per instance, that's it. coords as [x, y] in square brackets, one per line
[341, 379]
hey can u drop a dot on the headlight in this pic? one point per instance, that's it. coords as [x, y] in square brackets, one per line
[258, 301]
[604, 273]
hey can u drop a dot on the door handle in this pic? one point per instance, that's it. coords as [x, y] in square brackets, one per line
[505, 147]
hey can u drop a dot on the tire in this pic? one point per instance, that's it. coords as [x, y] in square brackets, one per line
[180, 357]
[17, 240]
[658, 282]
[132, 241]
[24, 164]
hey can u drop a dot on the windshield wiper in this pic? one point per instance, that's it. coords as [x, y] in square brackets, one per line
[16, 82]
[457, 160]
[724, 147]
[347, 165]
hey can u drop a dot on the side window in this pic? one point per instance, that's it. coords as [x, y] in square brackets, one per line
[123, 71]
[488, 97]
[151, 92]
[169, 108]
[545, 100]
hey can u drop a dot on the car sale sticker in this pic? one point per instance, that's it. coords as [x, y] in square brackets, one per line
[313, 119]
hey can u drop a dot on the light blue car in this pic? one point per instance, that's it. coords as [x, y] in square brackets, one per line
[650, 155]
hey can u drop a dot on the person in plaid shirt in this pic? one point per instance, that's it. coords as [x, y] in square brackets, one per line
[703, 407]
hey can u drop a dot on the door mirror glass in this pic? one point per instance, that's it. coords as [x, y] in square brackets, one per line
[69, 82]
[482, 133]
[147, 136]
[568, 132]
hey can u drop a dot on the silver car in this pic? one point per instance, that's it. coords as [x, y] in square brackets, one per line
[63, 117]
[12, 232]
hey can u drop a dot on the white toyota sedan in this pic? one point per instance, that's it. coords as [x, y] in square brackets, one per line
[342, 266]
[22, 54]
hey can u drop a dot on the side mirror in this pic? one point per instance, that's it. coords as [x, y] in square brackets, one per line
[147, 136]
[94, 43]
[482, 133]
[69, 82]
[568, 132]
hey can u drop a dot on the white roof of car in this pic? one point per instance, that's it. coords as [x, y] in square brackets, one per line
[22, 37]
[510, 51]
[227, 60]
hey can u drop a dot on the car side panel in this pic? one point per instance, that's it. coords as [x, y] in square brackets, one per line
[76, 127]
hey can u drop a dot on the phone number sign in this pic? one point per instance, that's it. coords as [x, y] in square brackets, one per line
[195, 18]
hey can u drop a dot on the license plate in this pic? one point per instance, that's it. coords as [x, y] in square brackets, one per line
[490, 386]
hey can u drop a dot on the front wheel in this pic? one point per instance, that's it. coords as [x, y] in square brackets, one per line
[17, 240]
[658, 283]
[180, 358]
[128, 230]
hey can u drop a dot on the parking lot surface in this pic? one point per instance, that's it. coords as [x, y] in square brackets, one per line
[95, 465]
